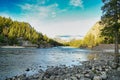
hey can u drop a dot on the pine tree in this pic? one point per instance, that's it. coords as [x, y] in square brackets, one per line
[110, 19]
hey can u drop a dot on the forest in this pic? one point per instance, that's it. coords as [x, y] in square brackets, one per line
[95, 36]
[12, 31]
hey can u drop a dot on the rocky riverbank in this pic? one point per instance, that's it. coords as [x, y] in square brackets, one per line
[105, 47]
[32, 46]
[12, 47]
[101, 68]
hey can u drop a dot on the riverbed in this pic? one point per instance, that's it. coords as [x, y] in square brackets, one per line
[15, 61]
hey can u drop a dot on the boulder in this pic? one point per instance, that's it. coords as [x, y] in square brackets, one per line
[27, 69]
[97, 78]
[118, 69]
[103, 75]
[73, 78]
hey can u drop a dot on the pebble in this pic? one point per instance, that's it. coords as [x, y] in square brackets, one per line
[27, 69]
[89, 70]
[97, 78]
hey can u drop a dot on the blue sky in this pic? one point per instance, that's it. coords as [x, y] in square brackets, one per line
[54, 17]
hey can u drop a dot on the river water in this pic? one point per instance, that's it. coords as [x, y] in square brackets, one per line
[16, 61]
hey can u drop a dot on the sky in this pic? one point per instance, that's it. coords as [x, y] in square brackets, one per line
[54, 17]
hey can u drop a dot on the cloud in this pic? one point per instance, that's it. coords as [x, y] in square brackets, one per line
[26, 6]
[76, 3]
[54, 14]
[38, 11]
[36, 14]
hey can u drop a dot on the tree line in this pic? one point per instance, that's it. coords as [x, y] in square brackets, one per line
[91, 39]
[98, 34]
[11, 31]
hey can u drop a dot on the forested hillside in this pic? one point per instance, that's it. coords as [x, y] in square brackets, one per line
[94, 37]
[13, 31]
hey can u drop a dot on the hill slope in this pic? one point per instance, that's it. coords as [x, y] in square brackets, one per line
[15, 33]
[93, 36]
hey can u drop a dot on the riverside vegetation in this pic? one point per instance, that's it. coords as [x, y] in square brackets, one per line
[14, 33]
[93, 38]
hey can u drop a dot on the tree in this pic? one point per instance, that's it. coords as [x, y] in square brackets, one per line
[110, 19]
[13, 32]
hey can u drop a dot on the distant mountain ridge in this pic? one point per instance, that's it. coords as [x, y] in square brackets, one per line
[67, 38]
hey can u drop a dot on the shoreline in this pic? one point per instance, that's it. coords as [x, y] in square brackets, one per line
[23, 47]
[101, 69]
[12, 47]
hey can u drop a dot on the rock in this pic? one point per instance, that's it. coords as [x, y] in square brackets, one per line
[52, 78]
[21, 77]
[118, 69]
[103, 75]
[91, 75]
[85, 78]
[106, 69]
[27, 69]
[78, 76]
[57, 78]
[41, 76]
[35, 76]
[93, 68]
[73, 78]
[100, 68]
[68, 75]
[40, 71]
[9, 79]
[73, 60]
[85, 72]
[97, 78]
[87, 75]
[114, 78]
[113, 65]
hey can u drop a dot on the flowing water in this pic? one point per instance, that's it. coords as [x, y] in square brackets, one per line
[16, 61]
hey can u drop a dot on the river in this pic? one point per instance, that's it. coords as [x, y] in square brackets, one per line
[16, 61]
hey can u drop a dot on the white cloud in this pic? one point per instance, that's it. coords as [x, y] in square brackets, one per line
[40, 12]
[43, 12]
[41, 1]
[53, 14]
[36, 14]
[26, 6]
[76, 3]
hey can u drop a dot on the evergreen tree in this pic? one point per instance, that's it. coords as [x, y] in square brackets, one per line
[12, 31]
[110, 19]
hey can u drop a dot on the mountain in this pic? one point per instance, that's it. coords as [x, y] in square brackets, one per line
[93, 36]
[67, 38]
